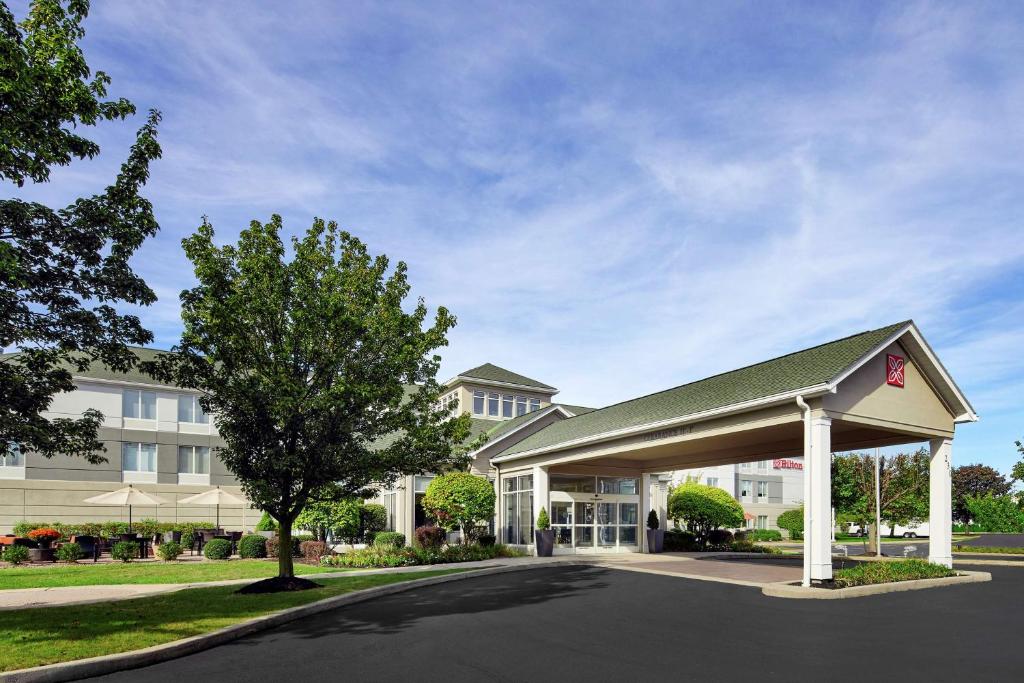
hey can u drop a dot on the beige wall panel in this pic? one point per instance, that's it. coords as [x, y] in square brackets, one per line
[866, 394]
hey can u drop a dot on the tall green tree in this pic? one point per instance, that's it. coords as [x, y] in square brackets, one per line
[320, 382]
[1018, 468]
[975, 481]
[63, 271]
[704, 509]
[460, 500]
[903, 480]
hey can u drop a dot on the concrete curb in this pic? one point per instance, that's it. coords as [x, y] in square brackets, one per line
[105, 664]
[994, 563]
[796, 591]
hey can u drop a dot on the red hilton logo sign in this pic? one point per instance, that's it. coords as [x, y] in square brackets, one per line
[783, 464]
[894, 374]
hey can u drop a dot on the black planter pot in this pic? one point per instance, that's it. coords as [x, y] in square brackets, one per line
[545, 542]
[655, 540]
[41, 554]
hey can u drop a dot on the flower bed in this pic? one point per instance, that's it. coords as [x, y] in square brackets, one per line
[407, 557]
[869, 573]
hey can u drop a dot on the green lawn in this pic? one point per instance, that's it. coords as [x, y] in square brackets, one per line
[1001, 550]
[33, 637]
[847, 538]
[88, 574]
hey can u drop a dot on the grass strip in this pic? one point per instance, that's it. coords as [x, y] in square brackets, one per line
[87, 574]
[46, 635]
[870, 573]
[1002, 550]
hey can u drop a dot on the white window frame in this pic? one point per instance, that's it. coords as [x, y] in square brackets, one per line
[137, 475]
[746, 489]
[762, 520]
[12, 462]
[507, 405]
[762, 486]
[194, 410]
[493, 404]
[139, 393]
[480, 396]
[712, 481]
[534, 404]
[521, 406]
[194, 477]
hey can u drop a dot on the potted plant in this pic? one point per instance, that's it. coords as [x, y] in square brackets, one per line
[44, 537]
[545, 536]
[655, 536]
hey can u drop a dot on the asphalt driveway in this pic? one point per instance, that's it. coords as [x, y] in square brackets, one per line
[592, 624]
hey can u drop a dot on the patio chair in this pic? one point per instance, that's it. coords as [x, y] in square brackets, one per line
[90, 546]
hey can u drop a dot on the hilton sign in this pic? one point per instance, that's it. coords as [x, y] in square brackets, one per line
[787, 464]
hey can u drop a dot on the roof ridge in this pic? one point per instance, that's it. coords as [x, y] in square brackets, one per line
[746, 367]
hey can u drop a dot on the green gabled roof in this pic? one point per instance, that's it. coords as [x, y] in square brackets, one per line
[493, 373]
[97, 370]
[802, 369]
[577, 410]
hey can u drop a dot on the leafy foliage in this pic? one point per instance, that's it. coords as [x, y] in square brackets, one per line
[408, 556]
[868, 573]
[1018, 468]
[312, 551]
[266, 523]
[252, 546]
[322, 384]
[126, 551]
[63, 271]
[793, 522]
[903, 482]
[652, 519]
[217, 549]
[169, 551]
[975, 481]
[69, 552]
[374, 518]
[341, 517]
[704, 509]
[543, 521]
[15, 554]
[998, 514]
[429, 537]
[460, 500]
[389, 539]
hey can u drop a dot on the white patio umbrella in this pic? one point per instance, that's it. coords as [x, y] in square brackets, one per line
[213, 497]
[129, 496]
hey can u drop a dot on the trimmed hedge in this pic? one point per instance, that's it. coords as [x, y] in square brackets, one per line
[126, 551]
[15, 554]
[382, 556]
[169, 551]
[69, 552]
[217, 549]
[869, 573]
[312, 551]
[252, 546]
[677, 541]
[430, 537]
[762, 535]
[389, 539]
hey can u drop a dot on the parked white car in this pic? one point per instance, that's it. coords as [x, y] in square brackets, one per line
[912, 530]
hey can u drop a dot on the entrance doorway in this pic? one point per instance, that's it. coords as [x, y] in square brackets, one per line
[594, 522]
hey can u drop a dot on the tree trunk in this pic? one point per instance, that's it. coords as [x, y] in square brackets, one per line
[285, 566]
[873, 539]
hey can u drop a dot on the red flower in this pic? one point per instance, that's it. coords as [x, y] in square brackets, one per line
[44, 534]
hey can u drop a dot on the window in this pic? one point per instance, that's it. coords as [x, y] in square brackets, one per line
[140, 405]
[745, 489]
[517, 501]
[492, 404]
[193, 460]
[478, 403]
[762, 465]
[520, 405]
[12, 457]
[712, 481]
[449, 403]
[621, 485]
[189, 410]
[139, 457]
[572, 483]
[506, 405]
[762, 521]
[762, 493]
[420, 484]
[746, 466]
[389, 507]
[534, 404]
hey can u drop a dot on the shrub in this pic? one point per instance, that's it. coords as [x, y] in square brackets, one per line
[680, 541]
[760, 535]
[273, 543]
[45, 535]
[487, 540]
[266, 523]
[459, 499]
[704, 509]
[69, 552]
[429, 536]
[169, 551]
[652, 519]
[793, 522]
[373, 518]
[217, 549]
[543, 521]
[339, 516]
[751, 547]
[252, 546]
[126, 551]
[719, 539]
[379, 556]
[16, 554]
[868, 573]
[369, 537]
[389, 539]
[996, 513]
[312, 551]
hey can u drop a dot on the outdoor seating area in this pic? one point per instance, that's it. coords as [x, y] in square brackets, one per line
[99, 548]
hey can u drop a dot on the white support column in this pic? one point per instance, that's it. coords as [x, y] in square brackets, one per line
[662, 504]
[540, 493]
[645, 506]
[940, 505]
[818, 542]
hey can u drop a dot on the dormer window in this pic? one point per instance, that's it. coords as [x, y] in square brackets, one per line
[534, 404]
[492, 404]
[478, 402]
[520, 405]
[506, 405]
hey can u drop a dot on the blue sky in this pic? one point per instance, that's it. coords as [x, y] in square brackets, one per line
[613, 198]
